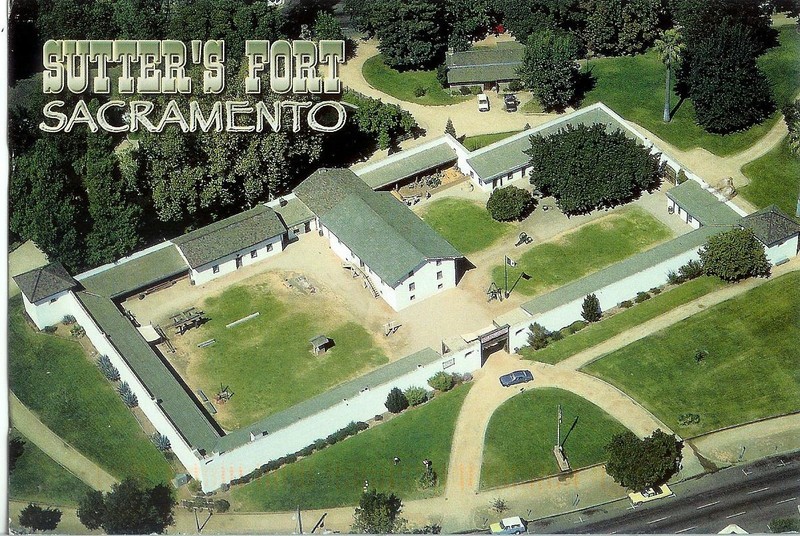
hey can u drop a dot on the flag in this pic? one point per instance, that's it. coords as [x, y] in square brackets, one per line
[510, 261]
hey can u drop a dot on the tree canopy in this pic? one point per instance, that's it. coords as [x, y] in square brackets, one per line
[410, 32]
[36, 518]
[509, 203]
[641, 463]
[619, 27]
[550, 69]
[734, 255]
[128, 509]
[377, 513]
[586, 168]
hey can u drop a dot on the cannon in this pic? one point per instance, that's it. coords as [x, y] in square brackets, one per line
[523, 239]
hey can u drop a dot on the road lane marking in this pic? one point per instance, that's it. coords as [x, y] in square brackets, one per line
[707, 505]
[757, 491]
[735, 515]
[684, 530]
[657, 520]
[787, 500]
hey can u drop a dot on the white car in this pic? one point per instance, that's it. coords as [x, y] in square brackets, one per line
[483, 102]
[509, 525]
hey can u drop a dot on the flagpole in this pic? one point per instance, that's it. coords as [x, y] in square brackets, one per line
[558, 438]
[505, 272]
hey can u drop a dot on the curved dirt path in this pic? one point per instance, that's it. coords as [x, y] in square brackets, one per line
[59, 450]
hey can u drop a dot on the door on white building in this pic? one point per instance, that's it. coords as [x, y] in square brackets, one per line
[238, 261]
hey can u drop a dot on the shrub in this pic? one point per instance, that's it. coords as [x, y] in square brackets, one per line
[441, 74]
[576, 326]
[464, 90]
[396, 401]
[687, 419]
[68, 320]
[77, 331]
[420, 91]
[289, 458]
[591, 309]
[641, 296]
[673, 278]
[538, 337]
[108, 370]
[161, 442]
[50, 329]
[734, 255]
[466, 377]
[681, 177]
[700, 355]
[626, 304]
[515, 85]
[441, 381]
[306, 451]
[320, 444]
[416, 395]
[556, 336]
[691, 270]
[788, 524]
[427, 480]
[128, 396]
[194, 486]
[221, 506]
[509, 204]
[476, 90]
[655, 291]
[450, 129]
[498, 505]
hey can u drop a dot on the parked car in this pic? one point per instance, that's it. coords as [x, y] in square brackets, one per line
[518, 376]
[510, 525]
[483, 102]
[650, 494]
[511, 102]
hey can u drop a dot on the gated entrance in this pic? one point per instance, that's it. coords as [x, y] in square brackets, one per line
[493, 341]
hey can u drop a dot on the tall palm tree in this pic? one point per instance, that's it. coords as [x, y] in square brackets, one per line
[670, 48]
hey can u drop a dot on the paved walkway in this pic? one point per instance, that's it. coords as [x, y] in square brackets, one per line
[51, 444]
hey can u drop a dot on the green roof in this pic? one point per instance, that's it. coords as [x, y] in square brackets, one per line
[484, 65]
[222, 238]
[294, 212]
[770, 225]
[328, 399]
[407, 164]
[702, 205]
[173, 395]
[137, 273]
[44, 281]
[621, 270]
[508, 155]
[327, 187]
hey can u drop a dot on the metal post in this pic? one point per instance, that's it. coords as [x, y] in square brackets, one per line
[505, 273]
[558, 438]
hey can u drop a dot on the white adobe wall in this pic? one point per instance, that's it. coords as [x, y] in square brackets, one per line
[227, 466]
[609, 296]
[682, 214]
[783, 250]
[50, 310]
[426, 281]
[151, 409]
[227, 264]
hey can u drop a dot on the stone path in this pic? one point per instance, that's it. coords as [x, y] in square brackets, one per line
[59, 450]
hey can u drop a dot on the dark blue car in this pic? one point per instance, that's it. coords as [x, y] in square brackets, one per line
[513, 378]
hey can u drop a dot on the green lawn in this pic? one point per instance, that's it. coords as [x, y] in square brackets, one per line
[533, 106]
[634, 88]
[594, 334]
[776, 179]
[473, 143]
[751, 370]
[261, 358]
[520, 437]
[37, 478]
[335, 476]
[585, 250]
[54, 379]
[466, 225]
[402, 85]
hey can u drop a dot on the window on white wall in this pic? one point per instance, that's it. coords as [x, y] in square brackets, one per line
[440, 286]
[438, 262]
[439, 275]
[269, 247]
[411, 286]
[254, 254]
[215, 268]
[412, 298]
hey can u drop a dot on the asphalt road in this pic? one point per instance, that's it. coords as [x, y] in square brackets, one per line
[749, 496]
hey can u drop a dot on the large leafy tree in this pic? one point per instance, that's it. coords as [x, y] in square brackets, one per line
[509, 203]
[140, 19]
[410, 32]
[378, 513]
[728, 89]
[467, 21]
[36, 518]
[524, 17]
[586, 168]
[669, 48]
[734, 255]
[615, 27]
[550, 69]
[640, 463]
[128, 509]
[91, 19]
